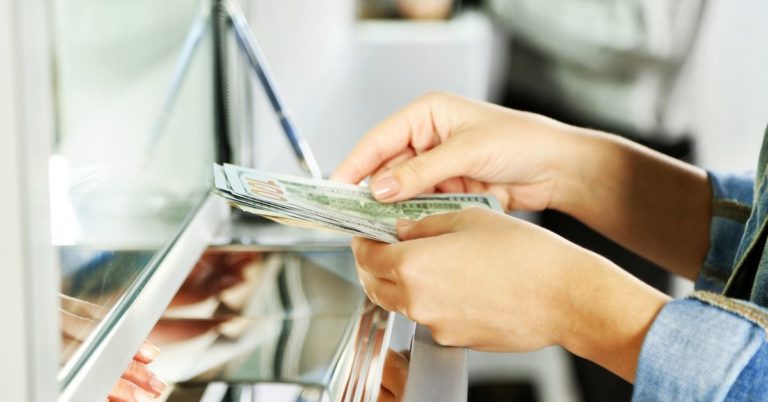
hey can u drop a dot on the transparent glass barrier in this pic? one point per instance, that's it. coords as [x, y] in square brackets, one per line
[134, 95]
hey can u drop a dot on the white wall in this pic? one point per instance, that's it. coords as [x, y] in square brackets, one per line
[341, 77]
[728, 79]
[327, 69]
[308, 45]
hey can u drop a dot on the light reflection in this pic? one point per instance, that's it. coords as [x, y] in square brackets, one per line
[394, 376]
[65, 229]
[78, 319]
[250, 319]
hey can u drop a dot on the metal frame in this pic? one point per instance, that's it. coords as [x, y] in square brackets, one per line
[261, 70]
[437, 373]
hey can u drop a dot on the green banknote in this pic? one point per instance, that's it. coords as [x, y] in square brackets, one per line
[346, 207]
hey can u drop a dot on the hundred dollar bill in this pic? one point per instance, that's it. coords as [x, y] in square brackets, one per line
[330, 205]
[356, 203]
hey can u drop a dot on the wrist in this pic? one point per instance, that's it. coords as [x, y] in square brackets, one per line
[608, 314]
[579, 167]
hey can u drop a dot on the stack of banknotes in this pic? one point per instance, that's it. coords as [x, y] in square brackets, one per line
[322, 204]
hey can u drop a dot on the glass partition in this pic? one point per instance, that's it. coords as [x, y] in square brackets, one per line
[278, 325]
[134, 97]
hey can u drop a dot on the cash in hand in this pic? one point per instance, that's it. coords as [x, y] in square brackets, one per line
[322, 204]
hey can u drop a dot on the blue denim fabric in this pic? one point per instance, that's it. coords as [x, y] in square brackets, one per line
[695, 351]
[732, 197]
[713, 346]
[752, 384]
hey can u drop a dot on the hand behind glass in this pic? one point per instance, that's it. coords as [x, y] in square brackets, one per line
[138, 383]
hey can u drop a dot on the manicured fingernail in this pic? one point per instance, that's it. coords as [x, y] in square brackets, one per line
[149, 352]
[139, 395]
[385, 186]
[157, 384]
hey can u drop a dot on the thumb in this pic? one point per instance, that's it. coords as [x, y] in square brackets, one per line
[416, 175]
[430, 226]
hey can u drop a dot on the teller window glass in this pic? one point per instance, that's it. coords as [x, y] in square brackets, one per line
[135, 141]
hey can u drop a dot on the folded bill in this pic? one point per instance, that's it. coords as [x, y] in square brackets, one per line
[322, 204]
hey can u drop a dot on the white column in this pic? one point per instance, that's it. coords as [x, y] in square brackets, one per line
[28, 274]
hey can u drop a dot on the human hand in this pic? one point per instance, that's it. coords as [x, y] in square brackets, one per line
[491, 282]
[138, 383]
[445, 143]
[425, 9]
[475, 278]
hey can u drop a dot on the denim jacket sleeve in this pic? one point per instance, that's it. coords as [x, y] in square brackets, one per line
[732, 198]
[709, 347]
[705, 348]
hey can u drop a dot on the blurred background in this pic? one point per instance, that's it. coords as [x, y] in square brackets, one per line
[366, 62]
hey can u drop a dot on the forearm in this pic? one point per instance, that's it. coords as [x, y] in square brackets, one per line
[611, 318]
[607, 316]
[652, 204]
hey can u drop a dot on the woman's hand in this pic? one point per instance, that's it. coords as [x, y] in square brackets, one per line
[639, 198]
[138, 383]
[491, 282]
[446, 143]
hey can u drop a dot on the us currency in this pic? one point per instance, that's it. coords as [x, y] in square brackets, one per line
[322, 204]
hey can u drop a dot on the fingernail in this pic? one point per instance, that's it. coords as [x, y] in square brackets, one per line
[157, 384]
[149, 352]
[385, 186]
[139, 395]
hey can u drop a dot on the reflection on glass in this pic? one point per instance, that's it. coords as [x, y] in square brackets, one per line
[133, 149]
[257, 321]
[394, 376]
[78, 318]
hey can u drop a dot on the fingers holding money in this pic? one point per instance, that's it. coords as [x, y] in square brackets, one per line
[380, 291]
[321, 204]
[376, 259]
[384, 271]
[376, 269]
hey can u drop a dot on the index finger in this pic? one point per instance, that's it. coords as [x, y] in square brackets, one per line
[388, 139]
[147, 353]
